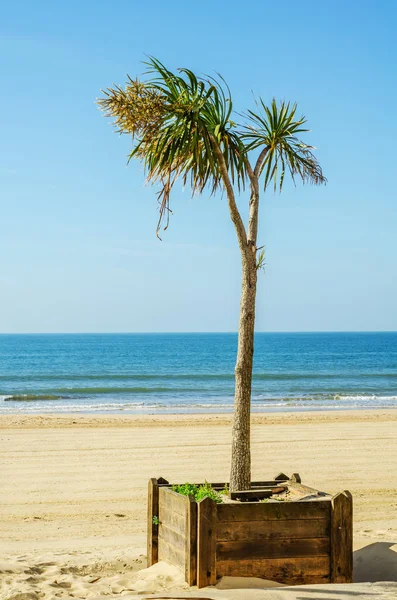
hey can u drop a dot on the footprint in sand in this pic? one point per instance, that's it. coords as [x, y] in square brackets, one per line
[34, 571]
[25, 596]
[65, 585]
[34, 580]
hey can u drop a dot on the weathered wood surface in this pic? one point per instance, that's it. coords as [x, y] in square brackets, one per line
[178, 540]
[305, 489]
[172, 500]
[173, 520]
[269, 483]
[237, 531]
[162, 481]
[281, 476]
[206, 543]
[277, 548]
[191, 541]
[268, 511]
[258, 493]
[171, 554]
[223, 485]
[342, 538]
[152, 528]
[292, 571]
[177, 532]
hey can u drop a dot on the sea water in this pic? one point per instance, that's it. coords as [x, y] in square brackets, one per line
[158, 373]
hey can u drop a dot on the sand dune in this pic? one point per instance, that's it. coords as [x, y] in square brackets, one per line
[73, 497]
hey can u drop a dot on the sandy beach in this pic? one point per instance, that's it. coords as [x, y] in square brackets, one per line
[73, 494]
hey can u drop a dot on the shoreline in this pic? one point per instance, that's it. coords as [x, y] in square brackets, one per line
[116, 420]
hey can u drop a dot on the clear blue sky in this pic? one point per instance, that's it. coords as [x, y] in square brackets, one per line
[78, 250]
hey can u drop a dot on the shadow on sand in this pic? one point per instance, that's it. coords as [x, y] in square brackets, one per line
[376, 562]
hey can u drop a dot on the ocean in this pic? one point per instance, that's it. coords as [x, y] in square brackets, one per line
[172, 373]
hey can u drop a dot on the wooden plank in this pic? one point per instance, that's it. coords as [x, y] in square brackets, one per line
[206, 543]
[269, 483]
[285, 548]
[222, 485]
[238, 531]
[191, 541]
[342, 538]
[289, 571]
[270, 511]
[268, 486]
[152, 528]
[172, 537]
[172, 519]
[251, 495]
[172, 500]
[305, 489]
[162, 481]
[171, 554]
[258, 493]
[281, 476]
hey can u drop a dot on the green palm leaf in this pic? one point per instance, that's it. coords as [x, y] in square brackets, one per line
[275, 130]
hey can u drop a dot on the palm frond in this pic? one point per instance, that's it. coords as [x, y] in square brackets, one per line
[176, 119]
[275, 129]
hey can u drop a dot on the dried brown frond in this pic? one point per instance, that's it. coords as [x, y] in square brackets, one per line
[137, 109]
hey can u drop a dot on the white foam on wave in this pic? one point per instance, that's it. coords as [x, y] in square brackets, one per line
[364, 397]
[260, 403]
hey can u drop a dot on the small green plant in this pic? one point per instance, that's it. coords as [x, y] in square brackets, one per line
[186, 489]
[260, 263]
[155, 520]
[207, 491]
[199, 492]
[225, 491]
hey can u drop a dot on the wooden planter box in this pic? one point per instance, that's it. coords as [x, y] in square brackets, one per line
[293, 542]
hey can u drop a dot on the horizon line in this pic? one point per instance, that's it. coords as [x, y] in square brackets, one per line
[194, 332]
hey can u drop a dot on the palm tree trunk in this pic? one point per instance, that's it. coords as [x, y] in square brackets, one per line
[240, 476]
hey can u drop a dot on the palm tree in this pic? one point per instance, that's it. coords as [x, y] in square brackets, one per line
[182, 127]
